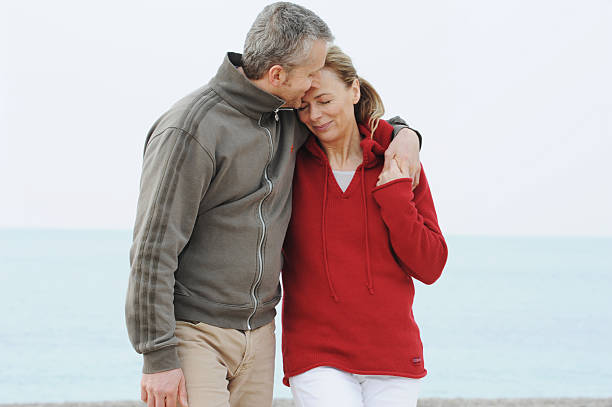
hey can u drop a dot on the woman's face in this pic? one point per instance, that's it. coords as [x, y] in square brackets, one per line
[328, 110]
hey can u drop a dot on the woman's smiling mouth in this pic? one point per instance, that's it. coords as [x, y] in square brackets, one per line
[322, 127]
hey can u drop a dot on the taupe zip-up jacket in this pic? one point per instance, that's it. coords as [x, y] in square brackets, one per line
[214, 205]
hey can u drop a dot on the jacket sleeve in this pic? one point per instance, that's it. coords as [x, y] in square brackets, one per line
[176, 173]
[413, 228]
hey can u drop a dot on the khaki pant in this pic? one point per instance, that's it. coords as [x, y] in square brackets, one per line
[226, 367]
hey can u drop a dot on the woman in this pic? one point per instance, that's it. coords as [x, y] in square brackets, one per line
[357, 238]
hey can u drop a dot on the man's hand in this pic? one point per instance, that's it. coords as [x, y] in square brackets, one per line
[404, 150]
[162, 389]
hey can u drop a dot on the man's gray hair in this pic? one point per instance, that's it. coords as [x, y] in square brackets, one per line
[282, 34]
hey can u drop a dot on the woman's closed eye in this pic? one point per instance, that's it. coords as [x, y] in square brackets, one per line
[320, 102]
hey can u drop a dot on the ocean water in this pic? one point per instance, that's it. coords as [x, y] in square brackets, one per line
[510, 317]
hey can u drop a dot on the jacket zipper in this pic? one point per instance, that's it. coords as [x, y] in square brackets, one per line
[263, 223]
[279, 109]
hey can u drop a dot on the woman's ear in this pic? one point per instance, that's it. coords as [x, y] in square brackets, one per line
[356, 89]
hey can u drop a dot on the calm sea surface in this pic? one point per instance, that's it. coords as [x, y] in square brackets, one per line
[510, 317]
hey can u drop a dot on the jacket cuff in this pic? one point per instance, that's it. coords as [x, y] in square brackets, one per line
[161, 360]
[398, 123]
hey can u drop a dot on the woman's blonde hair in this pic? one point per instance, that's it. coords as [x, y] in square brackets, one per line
[369, 109]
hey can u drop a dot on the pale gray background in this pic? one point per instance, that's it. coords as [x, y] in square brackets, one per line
[513, 99]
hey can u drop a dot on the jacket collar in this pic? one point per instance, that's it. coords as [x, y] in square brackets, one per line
[239, 92]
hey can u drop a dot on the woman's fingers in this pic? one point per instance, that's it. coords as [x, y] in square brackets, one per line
[391, 172]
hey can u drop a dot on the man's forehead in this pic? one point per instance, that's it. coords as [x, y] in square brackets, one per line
[317, 56]
[315, 64]
[310, 68]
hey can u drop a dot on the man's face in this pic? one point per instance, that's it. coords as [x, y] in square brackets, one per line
[303, 77]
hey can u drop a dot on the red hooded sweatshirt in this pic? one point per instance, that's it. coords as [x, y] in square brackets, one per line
[350, 258]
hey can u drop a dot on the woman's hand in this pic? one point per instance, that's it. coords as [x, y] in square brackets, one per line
[405, 150]
[391, 172]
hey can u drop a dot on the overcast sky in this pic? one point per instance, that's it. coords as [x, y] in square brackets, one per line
[513, 99]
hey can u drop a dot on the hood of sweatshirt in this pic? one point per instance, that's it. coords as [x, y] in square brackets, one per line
[373, 149]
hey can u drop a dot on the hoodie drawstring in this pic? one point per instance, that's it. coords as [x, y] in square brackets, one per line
[370, 283]
[324, 237]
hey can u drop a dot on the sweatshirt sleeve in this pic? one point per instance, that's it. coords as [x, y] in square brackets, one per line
[176, 173]
[413, 228]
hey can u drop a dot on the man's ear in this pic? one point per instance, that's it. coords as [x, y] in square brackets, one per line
[277, 76]
[356, 88]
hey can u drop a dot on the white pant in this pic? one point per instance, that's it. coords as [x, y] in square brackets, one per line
[330, 387]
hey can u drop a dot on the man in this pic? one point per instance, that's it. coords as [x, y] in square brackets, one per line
[214, 205]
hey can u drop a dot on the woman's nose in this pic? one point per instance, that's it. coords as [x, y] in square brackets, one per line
[315, 113]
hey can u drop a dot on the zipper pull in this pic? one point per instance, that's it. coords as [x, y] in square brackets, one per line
[276, 114]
